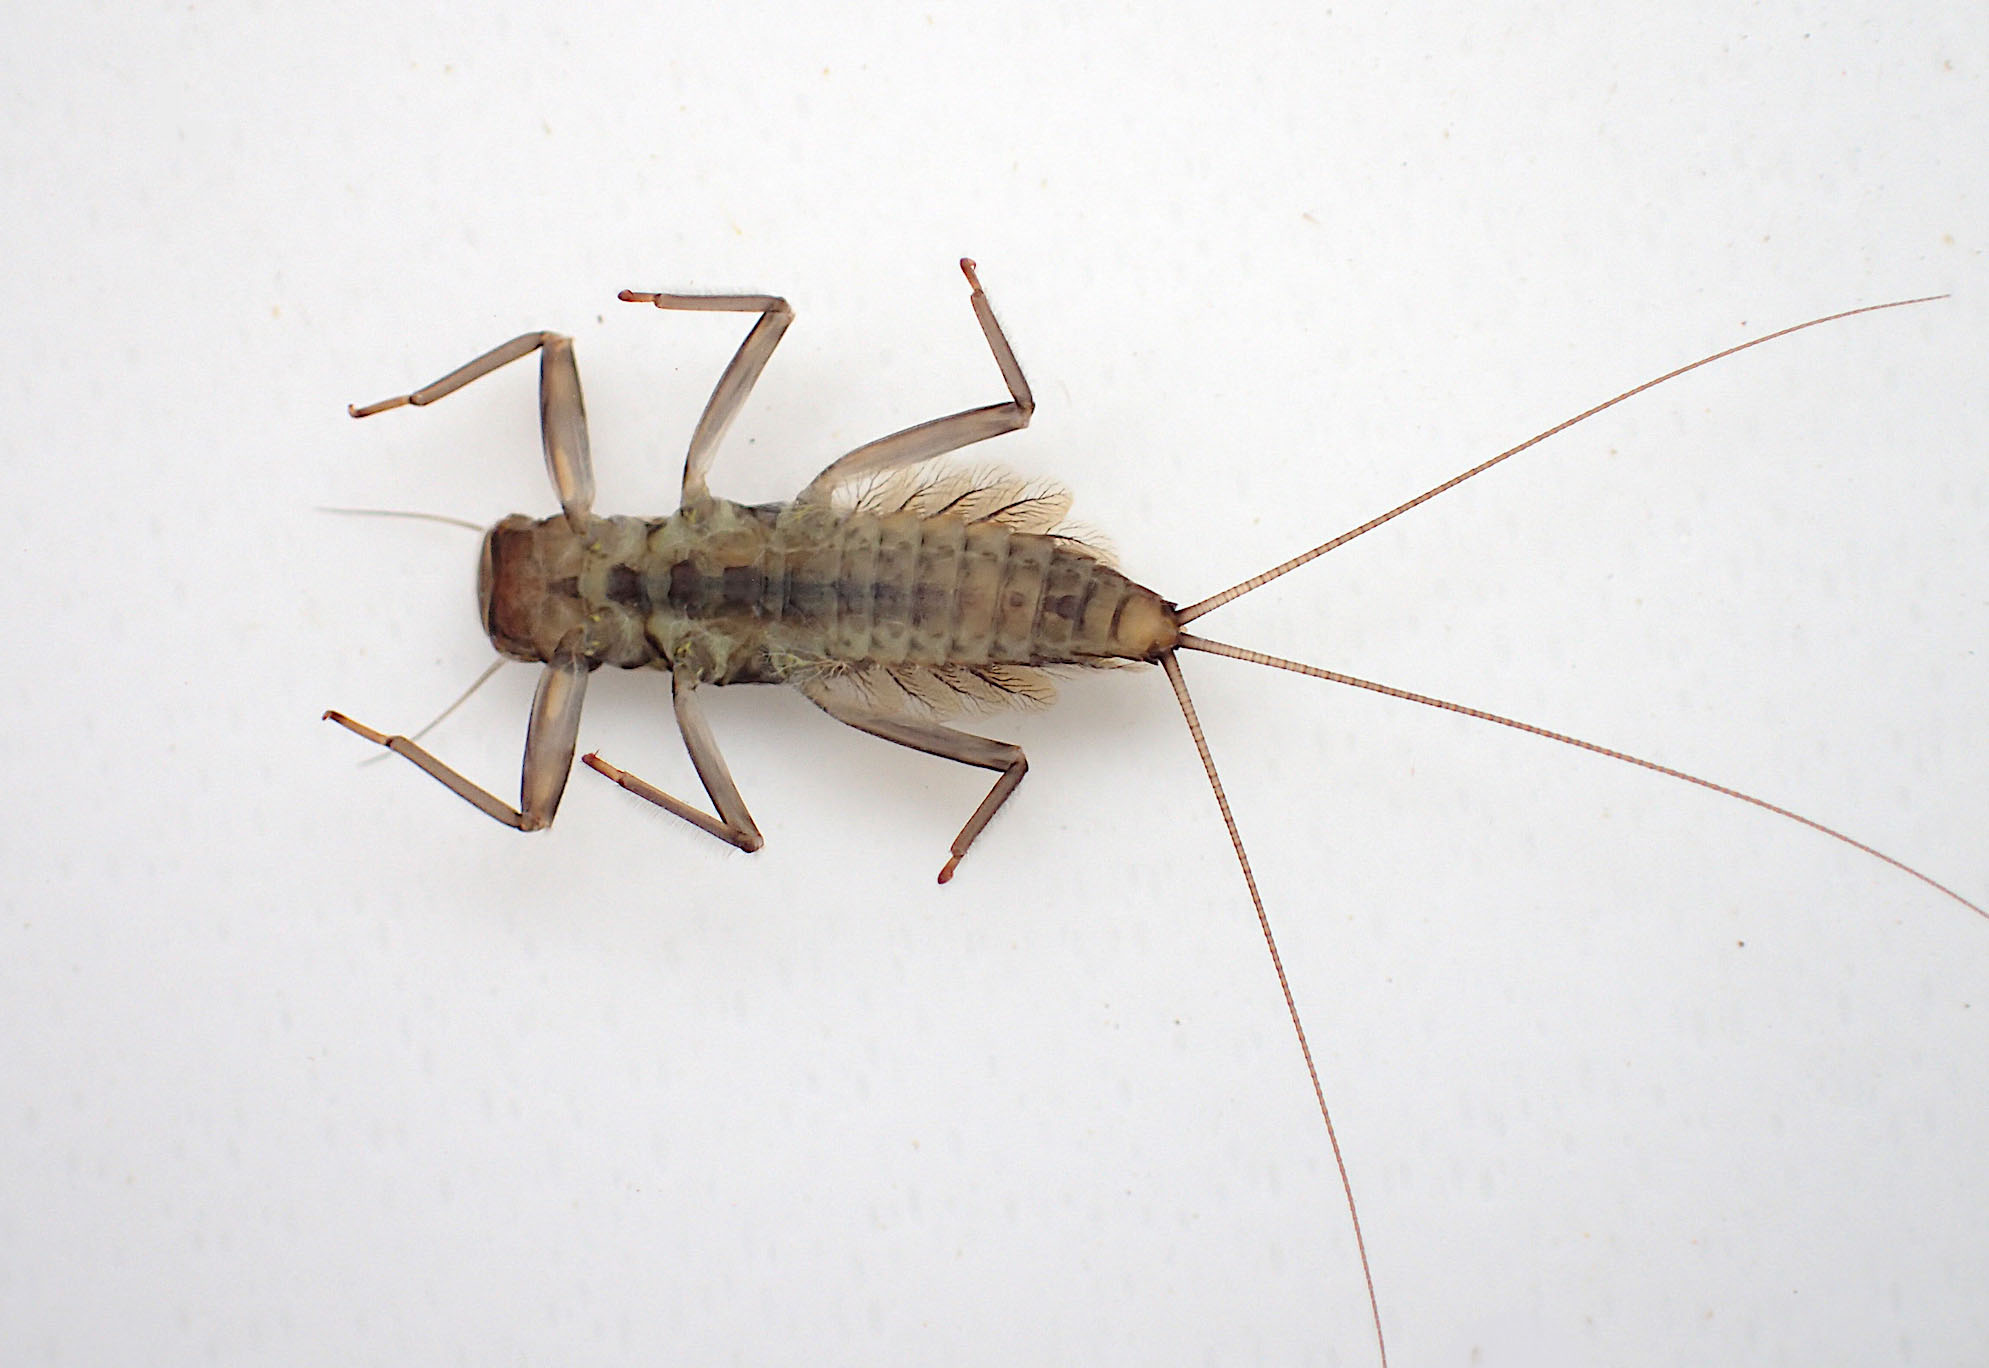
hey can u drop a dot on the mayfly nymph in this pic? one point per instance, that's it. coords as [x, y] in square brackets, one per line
[891, 596]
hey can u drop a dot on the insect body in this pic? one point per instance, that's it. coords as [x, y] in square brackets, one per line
[925, 594]
[889, 595]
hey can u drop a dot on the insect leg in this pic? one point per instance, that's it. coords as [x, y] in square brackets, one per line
[733, 824]
[549, 746]
[562, 415]
[741, 373]
[941, 435]
[947, 744]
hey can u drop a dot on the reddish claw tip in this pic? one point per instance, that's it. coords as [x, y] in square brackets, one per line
[333, 716]
[352, 410]
[946, 874]
[968, 268]
[600, 766]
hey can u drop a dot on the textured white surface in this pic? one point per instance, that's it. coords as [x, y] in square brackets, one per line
[306, 1062]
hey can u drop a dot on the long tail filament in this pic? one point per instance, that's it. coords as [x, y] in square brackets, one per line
[1190, 642]
[1237, 591]
[1173, 668]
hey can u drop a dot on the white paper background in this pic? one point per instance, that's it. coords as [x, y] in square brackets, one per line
[308, 1062]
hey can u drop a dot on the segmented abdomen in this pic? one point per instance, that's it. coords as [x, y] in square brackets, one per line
[739, 594]
[938, 591]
